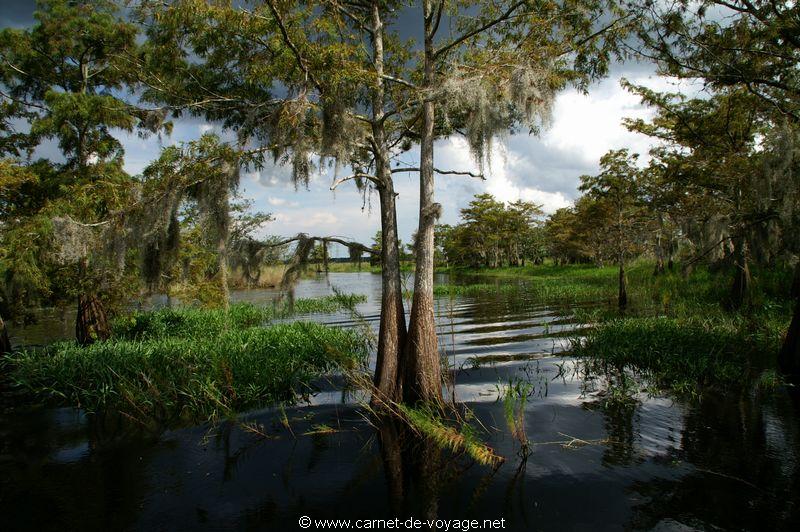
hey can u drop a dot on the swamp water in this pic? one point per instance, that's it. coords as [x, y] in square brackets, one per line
[729, 462]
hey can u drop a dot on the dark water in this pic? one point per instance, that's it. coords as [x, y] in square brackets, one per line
[729, 462]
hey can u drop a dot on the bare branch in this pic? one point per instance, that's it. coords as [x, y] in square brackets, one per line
[298, 56]
[325, 239]
[399, 81]
[505, 16]
[369, 177]
[443, 172]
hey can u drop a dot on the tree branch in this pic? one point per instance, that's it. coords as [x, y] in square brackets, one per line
[325, 239]
[443, 172]
[369, 177]
[505, 16]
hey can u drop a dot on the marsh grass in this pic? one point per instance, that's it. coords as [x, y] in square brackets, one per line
[454, 437]
[677, 332]
[194, 378]
[193, 364]
[515, 397]
[684, 354]
[190, 321]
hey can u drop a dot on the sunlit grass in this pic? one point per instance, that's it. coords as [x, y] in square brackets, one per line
[189, 321]
[193, 364]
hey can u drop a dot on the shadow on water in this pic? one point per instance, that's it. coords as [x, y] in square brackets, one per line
[593, 463]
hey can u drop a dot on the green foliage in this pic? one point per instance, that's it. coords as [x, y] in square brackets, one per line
[196, 376]
[462, 438]
[191, 363]
[188, 322]
[492, 233]
[68, 79]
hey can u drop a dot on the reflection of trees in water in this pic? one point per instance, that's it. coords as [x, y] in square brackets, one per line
[416, 469]
[619, 421]
[95, 483]
[744, 472]
[618, 404]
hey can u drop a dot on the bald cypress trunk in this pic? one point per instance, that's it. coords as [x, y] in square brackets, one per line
[740, 291]
[392, 331]
[622, 297]
[423, 381]
[91, 324]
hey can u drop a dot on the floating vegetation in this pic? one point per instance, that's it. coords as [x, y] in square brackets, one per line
[452, 290]
[462, 438]
[320, 429]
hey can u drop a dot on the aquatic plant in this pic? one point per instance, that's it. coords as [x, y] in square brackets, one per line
[189, 321]
[515, 396]
[430, 424]
[684, 354]
[169, 377]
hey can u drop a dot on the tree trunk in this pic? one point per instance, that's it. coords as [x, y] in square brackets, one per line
[222, 247]
[659, 247]
[740, 291]
[659, 250]
[392, 331]
[622, 299]
[5, 342]
[423, 381]
[789, 356]
[91, 324]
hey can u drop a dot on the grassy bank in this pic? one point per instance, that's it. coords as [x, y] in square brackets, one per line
[677, 332]
[190, 364]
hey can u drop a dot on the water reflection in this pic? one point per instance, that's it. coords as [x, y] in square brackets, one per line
[728, 462]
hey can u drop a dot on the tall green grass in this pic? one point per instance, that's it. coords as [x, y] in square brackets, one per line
[188, 377]
[193, 364]
[686, 355]
[189, 321]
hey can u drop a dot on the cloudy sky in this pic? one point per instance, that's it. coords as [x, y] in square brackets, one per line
[543, 169]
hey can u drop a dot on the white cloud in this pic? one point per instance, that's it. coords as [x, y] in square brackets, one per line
[281, 202]
[543, 169]
[587, 126]
[550, 201]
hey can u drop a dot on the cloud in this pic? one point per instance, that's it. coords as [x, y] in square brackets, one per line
[544, 169]
[280, 202]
